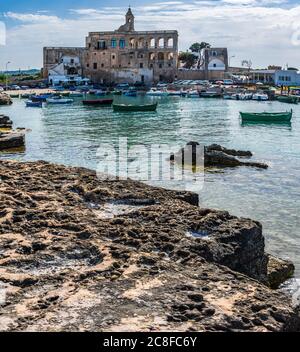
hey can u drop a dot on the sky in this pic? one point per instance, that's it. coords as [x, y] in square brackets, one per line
[267, 32]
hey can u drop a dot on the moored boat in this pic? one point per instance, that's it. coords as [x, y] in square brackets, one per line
[131, 92]
[34, 104]
[116, 92]
[267, 117]
[97, 102]
[288, 99]
[76, 94]
[176, 93]
[209, 94]
[156, 92]
[59, 101]
[260, 97]
[42, 98]
[193, 94]
[131, 107]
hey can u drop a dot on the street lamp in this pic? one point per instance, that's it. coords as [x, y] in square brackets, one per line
[6, 76]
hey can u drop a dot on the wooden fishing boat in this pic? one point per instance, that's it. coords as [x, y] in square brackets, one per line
[97, 102]
[34, 104]
[131, 107]
[267, 117]
[288, 99]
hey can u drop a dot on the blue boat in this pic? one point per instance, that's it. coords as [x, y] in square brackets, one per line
[40, 98]
[131, 92]
[34, 104]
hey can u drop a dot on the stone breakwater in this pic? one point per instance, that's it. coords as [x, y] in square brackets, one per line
[81, 254]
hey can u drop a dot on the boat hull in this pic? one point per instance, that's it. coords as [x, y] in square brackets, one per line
[288, 99]
[34, 104]
[267, 117]
[123, 107]
[59, 101]
[97, 102]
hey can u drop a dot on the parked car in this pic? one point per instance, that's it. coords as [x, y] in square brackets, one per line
[15, 87]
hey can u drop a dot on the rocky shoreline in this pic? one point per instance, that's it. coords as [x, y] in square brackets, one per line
[79, 254]
[9, 138]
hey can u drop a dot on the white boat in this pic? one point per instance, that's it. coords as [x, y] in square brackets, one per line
[246, 96]
[76, 94]
[260, 97]
[193, 94]
[177, 93]
[156, 92]
[227, 96]
[59, 101]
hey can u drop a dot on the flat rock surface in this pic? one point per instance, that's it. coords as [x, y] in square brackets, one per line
[81, 254]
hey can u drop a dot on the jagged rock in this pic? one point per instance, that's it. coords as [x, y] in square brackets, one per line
[5, 99]
[214, 156]
[279, 271]
[233, 152]
[157, 263]
[12, 140]
[5, 122]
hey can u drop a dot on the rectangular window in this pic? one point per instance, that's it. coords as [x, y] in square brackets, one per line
[113, 43]
[95, 66]
[122, 43]
[141, 65]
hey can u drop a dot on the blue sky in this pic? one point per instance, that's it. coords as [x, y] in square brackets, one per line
[265, 31]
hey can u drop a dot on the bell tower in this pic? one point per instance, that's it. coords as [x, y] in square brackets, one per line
[130, 20]
[129, 24]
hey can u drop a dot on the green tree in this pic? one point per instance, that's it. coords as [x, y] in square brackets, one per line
[197, 47]
[188, 59]
[2, 77]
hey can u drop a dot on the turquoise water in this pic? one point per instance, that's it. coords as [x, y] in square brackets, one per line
[71, 135]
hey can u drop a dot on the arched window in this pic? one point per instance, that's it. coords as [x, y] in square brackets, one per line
[141, 43]
[152, 43]
[161, 42]
[122, 43]
[113, 43]
[170, 56]
[160, 56]
[170, 43]
[151, 56]
[131, 42]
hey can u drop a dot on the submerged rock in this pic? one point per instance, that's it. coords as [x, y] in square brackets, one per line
[5, 99]
[65, 268]
[214, 156]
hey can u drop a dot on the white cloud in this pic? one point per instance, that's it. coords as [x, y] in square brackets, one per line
[251, 30]
[29, 17]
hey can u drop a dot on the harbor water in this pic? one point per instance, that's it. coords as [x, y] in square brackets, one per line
[71, 134]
